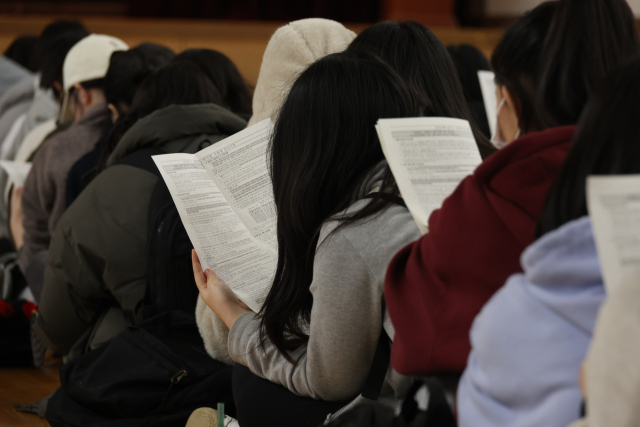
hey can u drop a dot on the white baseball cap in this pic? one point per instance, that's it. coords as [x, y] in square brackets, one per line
[87, 60]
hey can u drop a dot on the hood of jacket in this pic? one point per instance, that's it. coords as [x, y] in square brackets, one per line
[177, 125]
[562, 271]
[290, 51]
[535, 330]
[516, 178]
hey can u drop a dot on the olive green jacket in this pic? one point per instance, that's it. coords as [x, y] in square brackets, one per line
[98, 255]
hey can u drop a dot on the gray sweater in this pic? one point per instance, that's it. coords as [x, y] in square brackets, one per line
[347, 314]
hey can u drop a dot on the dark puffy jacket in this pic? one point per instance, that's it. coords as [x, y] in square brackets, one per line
[95, 272]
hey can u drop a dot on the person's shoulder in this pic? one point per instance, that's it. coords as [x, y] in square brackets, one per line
[392, 228]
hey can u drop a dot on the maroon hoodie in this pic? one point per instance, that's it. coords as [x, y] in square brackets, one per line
[436, 286]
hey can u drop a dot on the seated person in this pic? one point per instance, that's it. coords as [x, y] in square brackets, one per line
[127, 70]
[309, 350]
[43, 198]
[95, 276]
[530, 339]
[437, 285]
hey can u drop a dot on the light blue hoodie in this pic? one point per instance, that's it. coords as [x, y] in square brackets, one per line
[529, 340]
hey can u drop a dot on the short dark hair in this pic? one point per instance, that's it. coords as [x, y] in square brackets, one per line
[128, 69]
[421, 59]
[52, 35]
[607, 142]
[235, 93]
[53, 60]
[22, 51]
[178, 83]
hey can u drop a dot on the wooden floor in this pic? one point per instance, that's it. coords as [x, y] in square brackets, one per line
[22, 386]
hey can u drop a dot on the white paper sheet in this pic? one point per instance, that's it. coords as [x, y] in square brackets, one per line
[488, 88]
[614, 208]
[241, 253]
[239, 167]
[428, 156]
[17, 171]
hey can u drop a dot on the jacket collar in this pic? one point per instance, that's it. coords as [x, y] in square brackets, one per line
[97, 115]
[525, 148]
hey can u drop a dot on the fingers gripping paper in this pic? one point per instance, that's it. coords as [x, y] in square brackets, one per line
[225, 200]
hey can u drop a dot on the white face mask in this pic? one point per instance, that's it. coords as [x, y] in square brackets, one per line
[496, 138]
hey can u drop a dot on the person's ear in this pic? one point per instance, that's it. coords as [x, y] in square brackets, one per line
[512, 103]
[508, 116]
[114, 112]
[83, 95]
[59, 90]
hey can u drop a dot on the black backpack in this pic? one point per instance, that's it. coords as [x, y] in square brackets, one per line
[372, 414]
[154, 374]
[170, 283]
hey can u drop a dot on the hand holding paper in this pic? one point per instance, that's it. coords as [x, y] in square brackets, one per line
[225, 200]
[216, 294]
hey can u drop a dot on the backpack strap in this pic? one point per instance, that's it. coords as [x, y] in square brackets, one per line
[141, 159]
[379, 366]
[382, 356]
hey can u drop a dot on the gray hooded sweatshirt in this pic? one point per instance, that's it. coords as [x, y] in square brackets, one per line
[347, 315]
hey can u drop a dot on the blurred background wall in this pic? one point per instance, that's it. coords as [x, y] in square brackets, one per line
[241, 28]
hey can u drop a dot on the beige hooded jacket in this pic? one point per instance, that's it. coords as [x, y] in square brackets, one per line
[290, 51]
[613, 370]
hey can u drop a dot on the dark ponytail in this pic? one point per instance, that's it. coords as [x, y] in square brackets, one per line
[127, 70]
[586, 40]
[515, 61]
[606, 143]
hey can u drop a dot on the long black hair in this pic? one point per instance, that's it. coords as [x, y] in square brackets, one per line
[587, 39]
[607, 142]
[176, 83]
[323, 151]
[224, 74]
[551, 59]
[515, 61]
[417, 55]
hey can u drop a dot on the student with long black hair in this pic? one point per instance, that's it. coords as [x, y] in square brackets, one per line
[436, 286]
[532, 336]
[421, 59]
[338, 227]
[95, 276]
